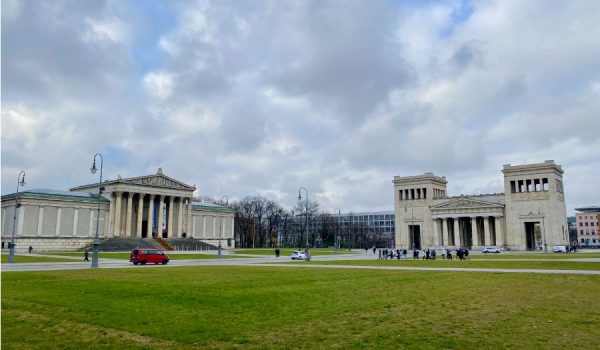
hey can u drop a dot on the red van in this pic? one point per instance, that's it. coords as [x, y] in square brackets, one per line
[148, 255]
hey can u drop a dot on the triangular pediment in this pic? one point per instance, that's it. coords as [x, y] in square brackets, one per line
[158, 180]
[466, 203]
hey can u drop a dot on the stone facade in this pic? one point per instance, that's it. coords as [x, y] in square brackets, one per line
[530, 213]
[142, 207]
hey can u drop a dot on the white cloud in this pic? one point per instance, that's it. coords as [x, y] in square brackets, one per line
[264, 97]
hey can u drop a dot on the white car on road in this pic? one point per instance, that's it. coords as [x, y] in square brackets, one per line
[299, 255]
[490, 250]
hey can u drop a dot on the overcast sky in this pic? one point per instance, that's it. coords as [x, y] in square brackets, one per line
[261, 97]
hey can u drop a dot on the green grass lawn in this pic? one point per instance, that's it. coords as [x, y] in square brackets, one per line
[273, 307]
[534, 256]
[548, 265]
[125, 256]
[34, 259]
[288, 251]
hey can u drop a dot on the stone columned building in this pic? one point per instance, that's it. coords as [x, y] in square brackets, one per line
[152, 206]
[529, 214]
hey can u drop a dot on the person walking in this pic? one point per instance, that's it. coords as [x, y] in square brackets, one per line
[398, 254]
[277, 252]
[415, 254]
[85, 255]
[433, 254]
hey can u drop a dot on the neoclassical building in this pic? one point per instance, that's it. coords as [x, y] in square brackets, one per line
[139, 207]
[530, 213]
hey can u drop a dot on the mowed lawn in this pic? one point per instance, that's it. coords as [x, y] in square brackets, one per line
[172, 256]
[276, 307]
[289, 251]
[533, 256]
[489, 264]
[33, 259]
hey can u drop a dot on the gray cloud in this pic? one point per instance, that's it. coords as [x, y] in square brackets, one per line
[248, 98]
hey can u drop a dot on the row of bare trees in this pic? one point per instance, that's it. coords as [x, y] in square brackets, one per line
[261, 222]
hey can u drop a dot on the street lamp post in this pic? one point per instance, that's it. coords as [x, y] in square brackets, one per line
[221, 230]
[300, 198]
[100, 190]
[11, 245]
[337, 232]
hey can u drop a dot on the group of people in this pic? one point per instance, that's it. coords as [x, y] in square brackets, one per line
[425, 254]
[385, 254]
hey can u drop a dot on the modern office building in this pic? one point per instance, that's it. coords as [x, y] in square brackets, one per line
[586, 221]
[529, 215]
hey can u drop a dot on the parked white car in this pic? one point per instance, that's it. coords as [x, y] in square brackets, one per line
[559, 249]
[490, 250]
[299, 255]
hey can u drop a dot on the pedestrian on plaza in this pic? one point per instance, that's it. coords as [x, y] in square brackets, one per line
[448, 254]
[433, 253]
[374, 250]
[398, 254]
[466, 254]
[380, 255]
[427, 253]
[415, 254]
[277, 252]
[366, 250]
[30, 249]
[85, 255]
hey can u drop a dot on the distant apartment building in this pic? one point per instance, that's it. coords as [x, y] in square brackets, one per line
[587, 220]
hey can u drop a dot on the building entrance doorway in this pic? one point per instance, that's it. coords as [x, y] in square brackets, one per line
[414, 236]
[144, 228]
[533, 236]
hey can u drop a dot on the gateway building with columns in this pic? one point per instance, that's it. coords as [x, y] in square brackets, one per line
[529, 215]
[153, 206]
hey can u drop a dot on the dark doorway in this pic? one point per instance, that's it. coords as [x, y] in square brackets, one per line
[144, 228]
[414, 236]
[530, 235]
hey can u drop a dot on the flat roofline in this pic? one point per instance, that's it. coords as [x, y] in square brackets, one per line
[588, 209]
[426, 176]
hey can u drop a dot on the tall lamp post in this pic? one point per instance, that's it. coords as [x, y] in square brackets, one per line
[337, 232]
[100, 190]
[11, 245]
[219, 248]
[300, 198]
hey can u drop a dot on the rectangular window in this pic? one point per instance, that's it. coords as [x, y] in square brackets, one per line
[545, 183]
[513, 187]
[412, 193]
[425, 193]
[580, 231]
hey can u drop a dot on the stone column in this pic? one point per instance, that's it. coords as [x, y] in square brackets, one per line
[180, 218]
[111, 216]
[474, 233]
[117, 228]
[445, 235]
[161, 203]
[456, 233]
[486, 230]
[499, 234]
[150, 216]
[436, 235]
[170, 217]
[189, 218]
[129, 214]
[140, 215]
